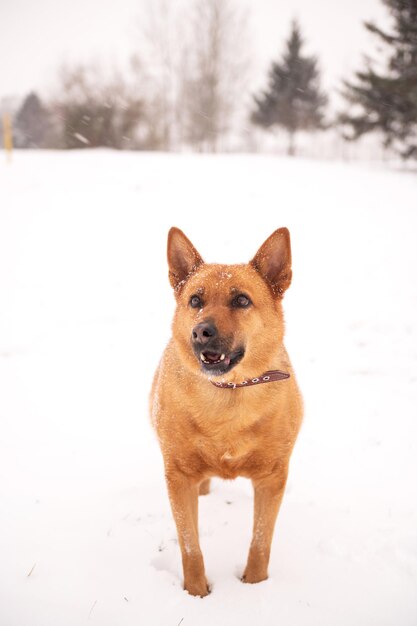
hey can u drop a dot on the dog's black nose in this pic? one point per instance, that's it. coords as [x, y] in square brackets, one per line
[202, 333]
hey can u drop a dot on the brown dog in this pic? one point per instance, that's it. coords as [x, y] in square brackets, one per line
[224, 399]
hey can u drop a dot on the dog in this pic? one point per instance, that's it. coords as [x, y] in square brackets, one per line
[224, 399]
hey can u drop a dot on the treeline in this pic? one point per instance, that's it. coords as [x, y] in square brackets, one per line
[192, 93]
[184, 88]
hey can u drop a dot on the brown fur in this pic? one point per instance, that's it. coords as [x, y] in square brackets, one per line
[205, 431]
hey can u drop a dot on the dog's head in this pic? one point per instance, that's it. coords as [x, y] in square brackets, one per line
[229, 317]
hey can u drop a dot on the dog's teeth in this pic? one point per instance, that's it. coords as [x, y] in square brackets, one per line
[202, 356]
[222, 357]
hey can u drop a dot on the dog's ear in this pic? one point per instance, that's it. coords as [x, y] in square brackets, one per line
[183, 258]
[273, 261]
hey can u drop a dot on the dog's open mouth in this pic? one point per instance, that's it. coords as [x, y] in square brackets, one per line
[218, 363]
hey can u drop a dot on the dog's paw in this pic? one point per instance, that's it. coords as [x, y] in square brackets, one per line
[198, 588]
[253, 576]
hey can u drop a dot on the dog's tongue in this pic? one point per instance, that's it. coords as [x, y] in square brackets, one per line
[212, 356]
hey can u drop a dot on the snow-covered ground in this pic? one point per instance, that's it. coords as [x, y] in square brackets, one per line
[86, 534]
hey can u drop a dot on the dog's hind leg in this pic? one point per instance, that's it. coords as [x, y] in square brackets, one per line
[268, 496]
[183, 495]
[204, 488]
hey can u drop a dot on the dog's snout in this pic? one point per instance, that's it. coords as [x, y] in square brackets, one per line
[202, 333]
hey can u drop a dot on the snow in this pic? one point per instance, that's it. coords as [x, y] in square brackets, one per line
[86, 533]
[81, 138]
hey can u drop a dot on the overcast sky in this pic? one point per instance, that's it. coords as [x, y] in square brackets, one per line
[39, 35]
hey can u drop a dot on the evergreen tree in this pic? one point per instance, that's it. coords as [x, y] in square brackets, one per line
[386, 100]
[293, 98]
[32, 125]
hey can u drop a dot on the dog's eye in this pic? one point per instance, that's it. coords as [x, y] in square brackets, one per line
[241, 301]
[195, 302]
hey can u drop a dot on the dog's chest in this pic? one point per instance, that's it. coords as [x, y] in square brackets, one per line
[231, 464]
[229, 457]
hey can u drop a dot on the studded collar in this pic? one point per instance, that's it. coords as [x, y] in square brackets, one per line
[267, 377]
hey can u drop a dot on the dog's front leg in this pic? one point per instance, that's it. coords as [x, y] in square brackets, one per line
[183, 495]
[268, 496]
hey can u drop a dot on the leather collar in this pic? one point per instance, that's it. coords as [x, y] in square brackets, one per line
[267, 377]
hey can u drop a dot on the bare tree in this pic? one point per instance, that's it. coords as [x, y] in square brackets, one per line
[160, 43]
[96, 111]
[215, 78]
[197, 64]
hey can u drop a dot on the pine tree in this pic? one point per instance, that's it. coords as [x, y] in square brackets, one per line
[386, 100]
[32, 125]
[293, 98]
